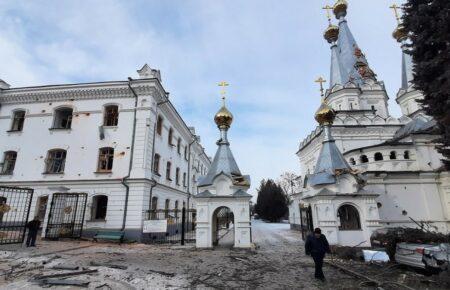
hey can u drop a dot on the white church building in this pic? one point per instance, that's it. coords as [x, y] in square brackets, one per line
[390, 174]
[119, 146]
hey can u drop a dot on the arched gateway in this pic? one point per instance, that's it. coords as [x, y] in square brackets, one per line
[223, 204]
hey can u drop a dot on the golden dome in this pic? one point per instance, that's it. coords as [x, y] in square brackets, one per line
[399, 33]
[331, 34]
[325, 114]
[340, 8]
[223, 118]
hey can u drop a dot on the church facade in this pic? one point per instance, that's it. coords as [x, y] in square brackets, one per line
[394, 159]
[121, 143]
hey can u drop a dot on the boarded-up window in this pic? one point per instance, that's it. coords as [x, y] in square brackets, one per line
[105, 159]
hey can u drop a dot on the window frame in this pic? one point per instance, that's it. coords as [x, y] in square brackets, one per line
[18, 120]
[57, 118]
[170, 137]
[168, 170]
[156, 164]
[346, 226]
[177, 176]
[53, 159]
[108, 157]
[7, 161]
[111, 119]
[159, 125]
[95, 208]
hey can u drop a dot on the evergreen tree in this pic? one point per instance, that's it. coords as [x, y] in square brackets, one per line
[272, 202]
[428, 25]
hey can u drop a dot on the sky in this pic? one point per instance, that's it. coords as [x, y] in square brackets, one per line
[269, 51]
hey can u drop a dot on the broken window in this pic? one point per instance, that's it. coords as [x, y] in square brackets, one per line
[18, 120]
[111, 117]
[349, 218]
[393, 155]
[105, 159]
[9, 162]
[169, 139]
[159, 125]
[363, 159]
[99, 207]
[168, 168]
[55, 161]
[378, 156]
[177, 176]
[156, 164]
[62, 118]
[153, 207]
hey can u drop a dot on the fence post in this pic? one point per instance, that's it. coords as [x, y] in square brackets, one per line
[183, 222]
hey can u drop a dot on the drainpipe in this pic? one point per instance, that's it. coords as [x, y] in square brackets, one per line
[123, 181]
[189, 173]
[154, 182]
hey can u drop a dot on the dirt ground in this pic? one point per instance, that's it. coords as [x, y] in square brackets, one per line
[277, 262]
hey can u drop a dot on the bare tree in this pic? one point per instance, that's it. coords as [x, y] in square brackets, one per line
[290, 182]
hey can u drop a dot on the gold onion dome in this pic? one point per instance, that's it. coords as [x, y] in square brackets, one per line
[325, 114]
[340, 8]
[331, 34]
[223, 117]
[399, 33]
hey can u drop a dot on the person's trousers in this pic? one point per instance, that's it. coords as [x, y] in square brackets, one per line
[318, 261]
[31, 238]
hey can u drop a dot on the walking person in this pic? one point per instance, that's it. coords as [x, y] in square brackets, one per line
[33, 227]
[317, 246]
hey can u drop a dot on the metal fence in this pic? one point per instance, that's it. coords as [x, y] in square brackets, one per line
[15, 206]
[66, 216]
[180, 226]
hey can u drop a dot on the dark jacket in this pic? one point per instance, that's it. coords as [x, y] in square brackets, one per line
[316, 246]
[33, 226]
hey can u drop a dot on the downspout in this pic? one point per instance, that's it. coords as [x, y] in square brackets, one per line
[189, 173]
[154, 182]
[123, 181]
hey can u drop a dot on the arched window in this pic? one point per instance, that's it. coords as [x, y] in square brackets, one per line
[406, 155]
[393, 155]
[177, 176]
[352, 161]
[18, 120]
[9, 162]
[166, 208]
[99, 207]
[62, 118]
[378, 156]
[105, 159]
[349, 218]
[111, 116]
[179, 146]
[170, 137]
[363, 159]
[56, 161]
[168, 168]
[156, 163]
[159, 125]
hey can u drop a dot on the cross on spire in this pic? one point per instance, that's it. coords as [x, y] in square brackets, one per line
[328, 8]
[223, 92]
[395, 7]
[321, 80]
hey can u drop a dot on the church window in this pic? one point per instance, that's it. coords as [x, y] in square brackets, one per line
[378, 156]
[393, 155]
[105, 159]
[177, 176]
[63, 118]
[99, 206]
[156, 163]
[349, 218]
[352, 161]
[166, 208]
[159, 125]
[111, 116]
[170, 137]
[18, 120]
[55, 162]
[363, 159]
[406, 154]
[168, 168]
[9, 162]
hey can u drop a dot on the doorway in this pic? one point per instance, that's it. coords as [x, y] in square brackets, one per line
[223, 227]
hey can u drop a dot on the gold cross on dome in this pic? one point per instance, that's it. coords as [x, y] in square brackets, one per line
[395, 7]
[328, 8]
[321, 81]
[223, 91]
